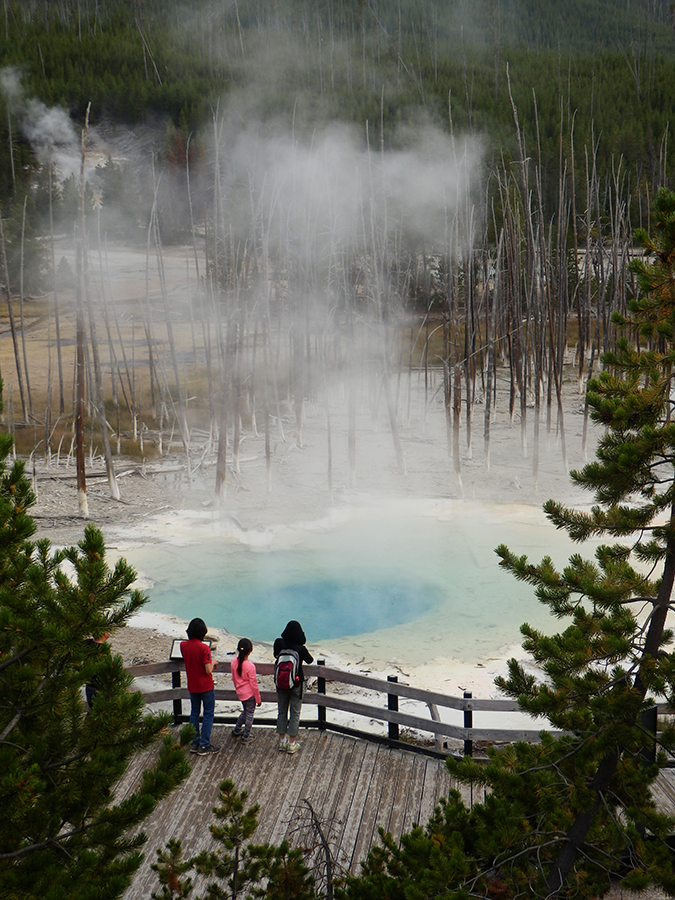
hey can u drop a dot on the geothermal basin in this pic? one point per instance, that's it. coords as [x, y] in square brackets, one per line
[404, 583]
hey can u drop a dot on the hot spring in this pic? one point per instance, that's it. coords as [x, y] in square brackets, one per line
[406, 582]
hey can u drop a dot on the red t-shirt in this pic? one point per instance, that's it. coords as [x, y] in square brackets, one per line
[197, 654]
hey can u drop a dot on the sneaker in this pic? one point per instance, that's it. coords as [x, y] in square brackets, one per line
[236, 733]
[294, 747]
[248, 740]
[208, 750]
[283, 745]
[194, 747]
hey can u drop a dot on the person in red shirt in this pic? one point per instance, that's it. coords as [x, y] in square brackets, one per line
[199, 666]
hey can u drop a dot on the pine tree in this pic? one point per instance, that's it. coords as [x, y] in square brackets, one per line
[241, 868]
[575, 811]
[287, 875]
[170, 868]
[235, 863]
[606, 669]
[62, 834]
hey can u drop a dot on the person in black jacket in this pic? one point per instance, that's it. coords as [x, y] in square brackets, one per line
[289, 703]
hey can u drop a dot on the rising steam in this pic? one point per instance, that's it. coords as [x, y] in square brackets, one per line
[49, 131]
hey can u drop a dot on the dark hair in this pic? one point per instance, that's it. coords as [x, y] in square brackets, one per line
[197, 629]
[293, 633]
[244, 647]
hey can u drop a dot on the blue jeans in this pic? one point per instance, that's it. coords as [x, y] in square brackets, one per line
[289, 705]
[208, 698]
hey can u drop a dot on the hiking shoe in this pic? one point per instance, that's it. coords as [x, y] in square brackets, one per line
[248, 740]
[283, 745]
[194, 747]
[208, 750]
[236, 733]
[294, 747]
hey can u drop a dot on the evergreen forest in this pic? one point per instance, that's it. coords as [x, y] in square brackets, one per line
[600, 73]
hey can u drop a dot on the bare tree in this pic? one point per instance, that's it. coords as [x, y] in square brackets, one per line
[80, 374]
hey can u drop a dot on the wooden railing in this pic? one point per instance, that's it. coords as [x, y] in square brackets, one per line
[324, 701]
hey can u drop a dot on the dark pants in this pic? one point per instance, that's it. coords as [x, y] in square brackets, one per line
[245, 719]
[289, 705]
[208, 699]
[91, 692]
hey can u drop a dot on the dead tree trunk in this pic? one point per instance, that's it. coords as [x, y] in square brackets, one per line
[12, 323]
[490, 362]
[57, 324]
[182, 417]
[21, 307]
[98, 381]
[79, 363]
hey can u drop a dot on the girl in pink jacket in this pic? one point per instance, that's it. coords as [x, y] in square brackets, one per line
[246, 686]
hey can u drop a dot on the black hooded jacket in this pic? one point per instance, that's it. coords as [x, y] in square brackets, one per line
[293, 638]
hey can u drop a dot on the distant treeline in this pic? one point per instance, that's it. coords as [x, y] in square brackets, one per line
[593, 77]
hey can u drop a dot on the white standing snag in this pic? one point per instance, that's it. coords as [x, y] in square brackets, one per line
[80, 374]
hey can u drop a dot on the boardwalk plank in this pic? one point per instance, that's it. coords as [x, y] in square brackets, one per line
[255, 769]
[260, 770]
[377, 806]
[666, 783]
[137, 765]
[294, 773]
[320, 778]
[400, 798]
[330, 750]
[411, 812]
[388, 797]
[348, 767]
[315, 787]
[181, 807]
[301, 831]
[342, 794]
[208, 772]
[347, 762]
[435, 780]
[663, 791]
[368, 775]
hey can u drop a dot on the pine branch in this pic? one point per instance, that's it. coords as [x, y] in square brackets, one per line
[16, 658]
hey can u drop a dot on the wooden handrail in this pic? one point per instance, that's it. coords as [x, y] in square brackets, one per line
[364, 681]
[324, 700]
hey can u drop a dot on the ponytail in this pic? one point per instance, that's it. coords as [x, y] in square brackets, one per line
[244, 647]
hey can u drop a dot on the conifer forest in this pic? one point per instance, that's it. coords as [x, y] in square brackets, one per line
[422, 208]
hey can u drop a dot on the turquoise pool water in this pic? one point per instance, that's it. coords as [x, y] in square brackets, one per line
[397, 583]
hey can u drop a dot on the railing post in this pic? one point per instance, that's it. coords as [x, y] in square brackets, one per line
[649, 721]
[468, 723]
[392, 703]
[177, 704]
[321, 689]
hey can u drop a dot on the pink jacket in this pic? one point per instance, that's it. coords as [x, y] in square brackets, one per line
[246, 684]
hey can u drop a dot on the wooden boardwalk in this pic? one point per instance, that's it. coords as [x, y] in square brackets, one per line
[354, 786]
